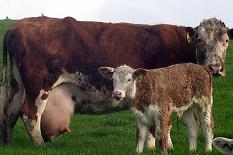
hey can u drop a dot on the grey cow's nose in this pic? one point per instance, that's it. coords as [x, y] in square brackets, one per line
[217, 69]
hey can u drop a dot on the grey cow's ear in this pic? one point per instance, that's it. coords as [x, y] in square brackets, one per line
[230, 33]
[191, 31]
[190, 34]
[139, 73]
[106, 72]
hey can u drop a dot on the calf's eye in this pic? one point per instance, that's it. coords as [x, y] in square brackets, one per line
[129, 80]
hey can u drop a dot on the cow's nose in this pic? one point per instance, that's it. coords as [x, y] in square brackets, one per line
[217, 69]
[117, 95]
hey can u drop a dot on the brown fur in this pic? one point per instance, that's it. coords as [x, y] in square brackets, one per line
[173, 86]
[42, 47]
[230, 33]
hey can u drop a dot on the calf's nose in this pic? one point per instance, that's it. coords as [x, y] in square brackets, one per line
[116, 94]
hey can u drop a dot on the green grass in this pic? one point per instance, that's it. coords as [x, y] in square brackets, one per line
[115, 133]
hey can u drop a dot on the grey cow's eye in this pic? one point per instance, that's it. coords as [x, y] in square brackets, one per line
[129, 80]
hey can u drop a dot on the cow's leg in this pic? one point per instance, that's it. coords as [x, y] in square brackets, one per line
[13, 106]
[143, 132]
[192, 126]
[170, 144]
[33, 121]
[207, 125]
[151, 138]
[150, 141]
[163, 134]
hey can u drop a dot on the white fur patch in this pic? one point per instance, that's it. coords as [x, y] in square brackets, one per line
[132, 92]
[144, 121]
[223, 145]
[150, 141]
[182, 109]
[33, 126]
[192, 126]
[143, 133]
[65, 77]
[202, 29]
[148, 116]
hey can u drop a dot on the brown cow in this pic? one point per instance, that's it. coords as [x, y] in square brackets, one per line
[45, 52]
[154, 94]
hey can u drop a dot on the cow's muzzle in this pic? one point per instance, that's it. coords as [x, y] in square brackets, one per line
[217, 69]
[118, 95]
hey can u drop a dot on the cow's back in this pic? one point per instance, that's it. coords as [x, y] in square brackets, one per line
[179, 84]
[44, 47]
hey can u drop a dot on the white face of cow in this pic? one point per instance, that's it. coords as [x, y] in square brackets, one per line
[124, 80]
[212, 43]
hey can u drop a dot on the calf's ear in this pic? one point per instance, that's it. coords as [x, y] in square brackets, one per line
[106, 72]
[230, 33]
[139, 73]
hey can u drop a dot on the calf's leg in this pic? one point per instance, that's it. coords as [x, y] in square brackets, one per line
[207, 127]
[164, 131]
[143, 133]
[151, 137]
[192, 126]
[170, 144]
[150, 141]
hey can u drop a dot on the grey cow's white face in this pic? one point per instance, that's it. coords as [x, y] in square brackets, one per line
[212, 43]
[124, 80]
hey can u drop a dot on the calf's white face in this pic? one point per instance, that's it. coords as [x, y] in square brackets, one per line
[124, 80]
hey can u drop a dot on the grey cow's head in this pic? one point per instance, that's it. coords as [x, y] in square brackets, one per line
[212, 37]
[124, 78]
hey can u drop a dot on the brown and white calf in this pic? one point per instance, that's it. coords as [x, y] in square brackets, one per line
[154, 94]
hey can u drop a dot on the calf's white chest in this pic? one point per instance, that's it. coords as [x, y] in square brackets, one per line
[147, 117]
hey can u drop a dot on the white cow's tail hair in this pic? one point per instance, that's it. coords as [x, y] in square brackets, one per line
[223, 145]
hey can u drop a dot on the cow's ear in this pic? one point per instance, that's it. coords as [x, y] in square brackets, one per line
[230, 33]
[106, 72]
[191, 32]
[139, 73]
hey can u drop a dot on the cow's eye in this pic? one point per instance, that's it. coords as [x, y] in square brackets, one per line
[129, 80]
[227, 41]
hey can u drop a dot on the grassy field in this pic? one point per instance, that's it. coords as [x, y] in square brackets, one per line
[115, 133]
